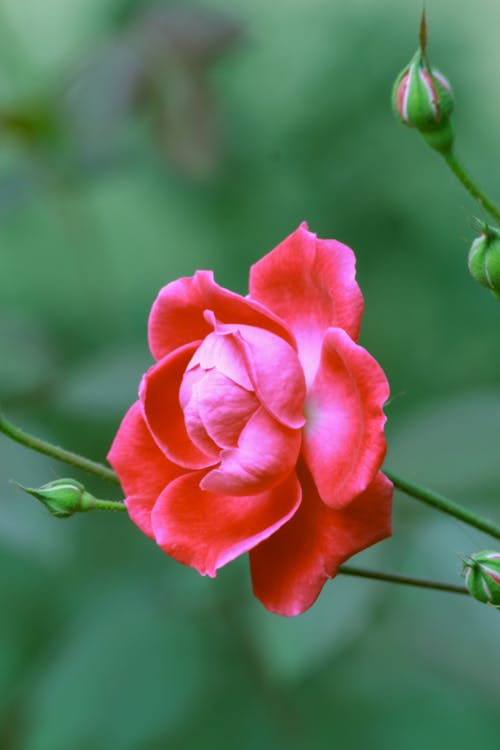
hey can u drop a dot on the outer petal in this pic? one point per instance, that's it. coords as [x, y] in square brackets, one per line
[159, 395]
[144, 471]
[290, 569]
[206, 530]
[310, 283]
[176, 317]
[344, 443]
[267, 452]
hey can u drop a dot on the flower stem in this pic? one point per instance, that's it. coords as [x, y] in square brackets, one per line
[425, 495]
[113, 505]
[422, 583]
[67, 457]
[444, 504]
[431, 498]
[471, 187]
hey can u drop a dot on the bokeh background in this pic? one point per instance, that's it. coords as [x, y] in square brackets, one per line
[140, 141]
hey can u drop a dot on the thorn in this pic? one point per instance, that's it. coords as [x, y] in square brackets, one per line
[477, 224]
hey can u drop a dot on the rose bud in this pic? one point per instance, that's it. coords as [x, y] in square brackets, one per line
[422, 98]
[484, 260]
[260, 428]
[62, 497]
[482, 576]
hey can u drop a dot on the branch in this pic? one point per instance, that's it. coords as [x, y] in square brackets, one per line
[67, 457]
[422, 583]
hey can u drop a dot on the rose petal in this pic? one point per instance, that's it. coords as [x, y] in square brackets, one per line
[198, 432]
[206, 530]
[224, 408]
[290, 569]
[310, 284]
[276, 374]
[266, 453]
[258, 360]
[159, 395]
[189, 401]
[220, 350]
[177, 314]
[215, 409]
[344, 443]
[143, 470]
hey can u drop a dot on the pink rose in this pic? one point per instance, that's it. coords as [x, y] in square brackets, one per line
[260, 427]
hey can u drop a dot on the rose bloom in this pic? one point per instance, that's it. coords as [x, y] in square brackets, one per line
[260, 427]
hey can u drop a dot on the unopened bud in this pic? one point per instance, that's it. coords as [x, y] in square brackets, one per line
[482, 576]
[423, 99]
[63, 497]
[484, 260]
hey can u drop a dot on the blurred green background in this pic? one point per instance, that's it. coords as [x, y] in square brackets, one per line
[140, 141]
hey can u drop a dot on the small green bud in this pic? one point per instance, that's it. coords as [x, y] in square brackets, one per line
[484, 259]
[63, 497]
[422, 98]
[482, 577]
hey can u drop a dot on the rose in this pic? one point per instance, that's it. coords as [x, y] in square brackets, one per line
[260, 427]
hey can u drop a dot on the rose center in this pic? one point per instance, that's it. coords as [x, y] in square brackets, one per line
[216, 409]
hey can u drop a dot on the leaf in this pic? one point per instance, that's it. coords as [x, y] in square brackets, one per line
[451, 444]
[104, 387]
[292, 648]
[28, 362]
[125, 671]
[24, 525]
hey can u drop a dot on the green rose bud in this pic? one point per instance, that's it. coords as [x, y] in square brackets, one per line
[63, 497]
[422, 98]
[484, 260]
[482, 577]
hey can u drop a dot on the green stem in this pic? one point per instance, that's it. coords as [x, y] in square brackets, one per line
[421, 493]
[422, 583]
[109, 505]
[470, 185]
[67, 457]
[425, 495]
[444, 504]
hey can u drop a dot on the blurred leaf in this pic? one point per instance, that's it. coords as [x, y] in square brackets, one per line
[29, 357]
[124, 673]
[450, 444]
[29, 586]
[157, 64]
[104, 388]
[34, 124]
[185, 120]
[24, 527]
[99, 94]
[295, 647]
[195, 35]
[236, 716]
